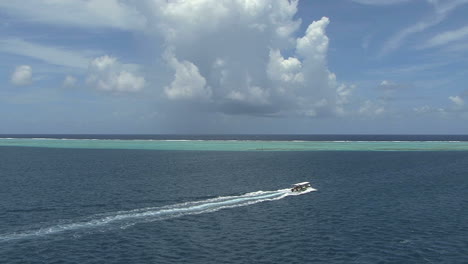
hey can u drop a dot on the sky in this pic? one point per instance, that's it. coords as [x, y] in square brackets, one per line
[234, 67]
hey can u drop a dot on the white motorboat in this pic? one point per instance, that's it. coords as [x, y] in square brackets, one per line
[300, 187]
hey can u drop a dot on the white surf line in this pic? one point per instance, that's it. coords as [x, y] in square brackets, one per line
[150, 214]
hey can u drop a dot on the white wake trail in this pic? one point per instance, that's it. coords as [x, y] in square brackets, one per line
[128, 218]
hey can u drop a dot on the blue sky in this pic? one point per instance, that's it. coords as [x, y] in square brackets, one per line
[234, 66]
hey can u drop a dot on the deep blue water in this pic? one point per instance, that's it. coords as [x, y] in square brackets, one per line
[137, 206]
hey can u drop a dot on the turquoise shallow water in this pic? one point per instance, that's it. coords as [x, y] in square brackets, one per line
[237, 145]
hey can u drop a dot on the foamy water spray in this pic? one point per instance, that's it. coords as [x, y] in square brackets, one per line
[124, 219]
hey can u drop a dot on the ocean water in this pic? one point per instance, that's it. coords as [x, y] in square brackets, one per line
[130, 205]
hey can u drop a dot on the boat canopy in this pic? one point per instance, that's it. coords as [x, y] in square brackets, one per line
[300, 184]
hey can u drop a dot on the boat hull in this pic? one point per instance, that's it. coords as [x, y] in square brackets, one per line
[302, 189]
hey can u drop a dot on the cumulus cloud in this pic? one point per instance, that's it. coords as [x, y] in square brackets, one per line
[188, 82]
[321, 92]
[286, 70]
[227, 54]
[457, 100]
[106, 73]
[22, 75]
[314, 44]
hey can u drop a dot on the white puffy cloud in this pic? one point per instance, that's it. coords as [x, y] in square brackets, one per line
[187, 83]
[286, 70]
[22, 75]
[227, 54]
[314, 45]
[457, 100]
[186, 20]
[106, 73]
[321, 90]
